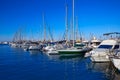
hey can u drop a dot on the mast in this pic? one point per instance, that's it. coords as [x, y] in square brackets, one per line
[76, 32]
[41, 33]
[44, 28]
[32, 35]
[50, 34]
[73, 24]
[66, 24]
[71, 31]
[77, 36]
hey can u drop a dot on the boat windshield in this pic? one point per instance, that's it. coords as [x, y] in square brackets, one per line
[105, 46]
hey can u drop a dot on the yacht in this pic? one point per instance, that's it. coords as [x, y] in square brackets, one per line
[95, 42]
[35, 46]
[16, 45]
[26, 45]
[52, 50]
[48, 46]
[106, 48]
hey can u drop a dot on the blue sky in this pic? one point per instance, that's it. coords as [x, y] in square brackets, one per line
[94, 16]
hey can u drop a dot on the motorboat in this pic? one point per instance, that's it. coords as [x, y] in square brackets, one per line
[106, 48]
[35, 46]
[95, 42]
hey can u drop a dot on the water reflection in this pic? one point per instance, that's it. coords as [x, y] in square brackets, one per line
[73, 65]
[34, 53]
[17, 50]
[102, 67]
[54, 57]
[61, 57]
[35, 65]
[76, 57]
[116, 76]
[108, 69]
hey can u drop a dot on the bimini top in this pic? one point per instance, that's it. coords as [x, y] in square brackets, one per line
[111, 33]
[109, 42]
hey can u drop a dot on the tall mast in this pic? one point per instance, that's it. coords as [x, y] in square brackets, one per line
[73, 24]
[66, 24]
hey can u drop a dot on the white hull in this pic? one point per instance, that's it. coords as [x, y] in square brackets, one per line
[100, 56]
[87, 54]
[16, 45]
[116, 62]
[99, 59]
[34, 48]
[13, 45]
[70, 50]
[52, 52]
[47, 48]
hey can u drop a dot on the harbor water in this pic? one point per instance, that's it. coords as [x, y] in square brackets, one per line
[17, 64]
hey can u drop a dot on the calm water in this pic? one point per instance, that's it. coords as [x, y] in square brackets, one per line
[17, 64]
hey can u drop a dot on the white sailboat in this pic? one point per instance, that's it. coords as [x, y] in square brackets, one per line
[73, 50]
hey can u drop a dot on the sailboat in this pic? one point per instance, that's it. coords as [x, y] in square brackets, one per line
[75, 49]
[18, 39]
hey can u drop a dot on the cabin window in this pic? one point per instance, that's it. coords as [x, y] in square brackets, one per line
[116, 47]
[105, 46]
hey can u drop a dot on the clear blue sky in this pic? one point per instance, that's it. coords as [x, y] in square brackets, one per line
[94, 16]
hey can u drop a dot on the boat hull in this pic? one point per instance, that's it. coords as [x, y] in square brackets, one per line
[99, 59]
[71, 52]
[116, 62]
[52, 52]
[34, 48]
